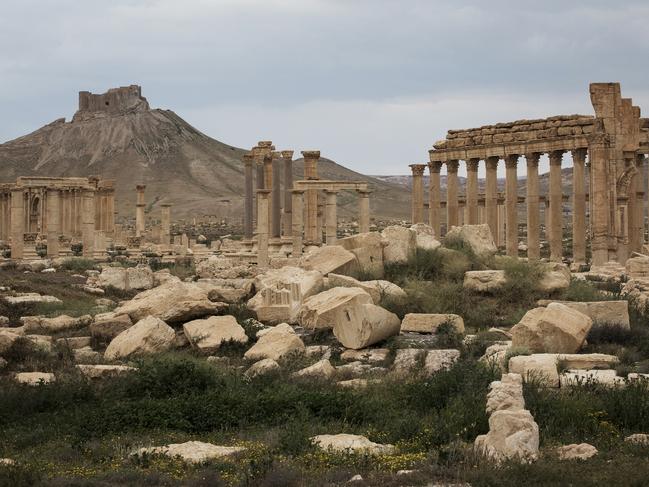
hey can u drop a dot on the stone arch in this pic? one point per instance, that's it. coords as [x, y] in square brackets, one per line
[35, 210]
[624, 179]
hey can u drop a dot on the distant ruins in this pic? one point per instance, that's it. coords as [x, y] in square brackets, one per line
[115, 101]
[611, 146]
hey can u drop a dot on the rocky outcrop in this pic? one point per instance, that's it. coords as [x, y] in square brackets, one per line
[219, 267]
[149, 335]
[556, 278]
[41, 324]
[103, 371]
[34, 378]
[261, 367]
[601, 312]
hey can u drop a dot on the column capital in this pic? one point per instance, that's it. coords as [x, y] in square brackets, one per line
[140, 187]
[434, 167]
[311, 154]
[452, 166]
[365, 193]
[472, 164]
[164, 205]
[492, 162]
[532, 159]
[331, 191]
[417, 169]
[263, 193]
[248, 159]
[266, 144]
[579, 155]
[296, 191]
[287, 154]
[511, 161]
[556, 156]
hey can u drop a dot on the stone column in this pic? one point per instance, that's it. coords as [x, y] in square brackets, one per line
[364, 211]
[331, 217]
[262, 227]
[110, 211]
[417, 214]
[451, 195]
[165, 224]
[491, 195]
[17, 223]
[88, 222]
[434, 191]
[53, 223]
[139, 210]
[532, 200]
[472, 191]
[511, 202]
[248, 196]
[297, 228]
[276, 199]
[556, 196]
[579, 206]
[311, 173]
[287, 156]
[502, 215]
[638, 217]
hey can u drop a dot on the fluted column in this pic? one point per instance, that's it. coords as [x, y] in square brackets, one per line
[276, 200]
[311, 172]
[598, 156]
[417, 215]
[556, 244]
[491, 195]
[139, 210]
[248, 196]
[331, 217]
[287, 156]
[511, 201]
[17, 223]
[364, 211]
[532, 201]
[262, 227]
[472, 191]
[53, 222]
[579, 206]
[297, 204]
[88, 222]
[635, 207]
[451, 195]
[165, 224]
[434, 191]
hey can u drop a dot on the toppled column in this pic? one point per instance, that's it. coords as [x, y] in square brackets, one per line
[88, 222]
[556, 196]
[491, 195]
[331, 217]
[452, 208]
[139, 210]
[311, 172]
[297, 196]
[434, 197]
[17, 223]
[417, 215]
[579, 206]
[262, 227]
[532, 201]
[472, 191]
[165, 224]
[248, 197]
[511, 200]
[53, 222]
[287, 156]
[364, 211]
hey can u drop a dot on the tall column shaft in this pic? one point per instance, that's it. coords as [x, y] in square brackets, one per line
[53, 223]
[579, 206]
[532, 201]
[511, 201]
[17, 224]
[297, 227]
[556, 250]
[276, 199]
[638, 217]
[262, 227]
[139, 211]
[364, 212]
[88, 222]
[248, 196]
[313, 233]
[452, 208]
[287, 156]
[491, 195]
[417, 214]
[331, 217]
[110, 212]
[472, 191]
[434, 192]
[165, 224]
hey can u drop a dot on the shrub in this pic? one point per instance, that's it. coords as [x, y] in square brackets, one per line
[78, 265]
[583, 291]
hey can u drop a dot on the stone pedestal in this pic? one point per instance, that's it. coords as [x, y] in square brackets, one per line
[417, 214]
[491, 195]
[555, 238]
[452, 208]
[511, 200]
[532, 200]
[579, 206]
[472, 191]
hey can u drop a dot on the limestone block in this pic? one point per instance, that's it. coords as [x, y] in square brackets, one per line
[638, 439]
[555, 279]
[31, 298]
[437, 360]
[400, 244]
[330, 258]
[602, 312]
[513, 435]
[320, 370]
[74, 343]
[430, 322]
[102, 371]
[575, 377]
[7, 338]
[585, 361]
[217, 266]
[149, 335]
[555, 329]
[53, 325]
[360, 326]
[637, 267]
[320, 310]
[353, 383]
[408, 360]
[539, 366]
[484, 281]
[369, 355]
[368, 249]
[126, 278]
[477, 237]
[207, 335]
[495, 354]
[276, 344]
[34, 378]
[107, 326]
[378, 289]
[344, 443]
[227, 290]
[507, 393]
[192, 451]
[261, 367]
[425, 237]
[582, 451]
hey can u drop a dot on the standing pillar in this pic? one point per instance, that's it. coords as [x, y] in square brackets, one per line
[297, 227]
[556, 244]
[248, 197]
[110, 211]
[511, 201]
[88, 222]
[472, 191]
[53, 223]
[502, 215]
[364, 211]
[532, 200]
[331, 217]
[139, 210]
[579, 206]
[417, 214]
[276, 197]
[638, 217]
[262, 227]
[165, 224]
[598, 156]
[313, 232]
[491, 195]
[17, 223]
[434, 191]
[451, 195]
[287, 156]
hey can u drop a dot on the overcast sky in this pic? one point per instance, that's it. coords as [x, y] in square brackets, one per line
[371, 83]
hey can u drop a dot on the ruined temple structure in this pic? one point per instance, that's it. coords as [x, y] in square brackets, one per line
[612, 145]
[116, 101]
[58, 211]
[292, 214]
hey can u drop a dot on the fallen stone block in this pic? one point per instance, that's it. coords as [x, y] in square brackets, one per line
[207, 335]
[362, 325]
[149, 335]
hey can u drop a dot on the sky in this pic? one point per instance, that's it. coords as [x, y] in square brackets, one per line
[372, 84]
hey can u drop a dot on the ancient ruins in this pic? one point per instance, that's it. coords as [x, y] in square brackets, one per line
[608, 210]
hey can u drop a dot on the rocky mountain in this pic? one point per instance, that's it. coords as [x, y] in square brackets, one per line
[117, 135]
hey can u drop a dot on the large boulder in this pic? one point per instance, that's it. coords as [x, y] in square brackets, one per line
[425, 237]
[484, 281]
[172, 302]
[361, 325]
[368, 249]
[320, 310]
[513, 435]
[477, 237]
[192, 451]
[277, 343]
[401, 243]
[344, 443]
[556, 278]
[280, 293]
[330, 258]
[207, 335]
[126, 278]
[554, 329]
[430, 322]
[149, 335]
[378, 289]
